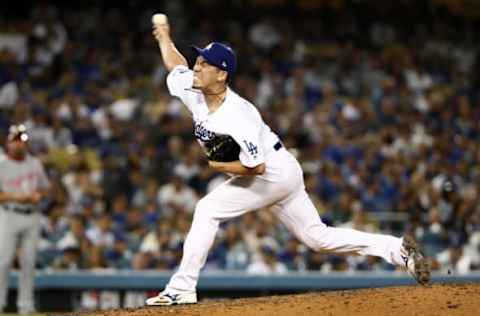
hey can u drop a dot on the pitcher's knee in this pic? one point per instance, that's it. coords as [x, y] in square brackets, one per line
[314, 237]
[202, 208]
[203, 212]
[202, 205]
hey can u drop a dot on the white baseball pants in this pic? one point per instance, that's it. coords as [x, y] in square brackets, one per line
[282, 188]
[15, 227]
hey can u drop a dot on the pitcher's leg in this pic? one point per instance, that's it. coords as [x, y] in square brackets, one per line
[231, 199]
[301, 217]
[8, 241]
[343, 240]
[199, 240]
[28, 251]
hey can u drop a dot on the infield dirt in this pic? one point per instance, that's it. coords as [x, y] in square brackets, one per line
[438, 299]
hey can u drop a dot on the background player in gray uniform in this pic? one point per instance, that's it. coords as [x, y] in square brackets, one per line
[264, 173]
[23, 183]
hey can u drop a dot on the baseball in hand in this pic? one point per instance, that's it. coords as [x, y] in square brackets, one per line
[159, 18]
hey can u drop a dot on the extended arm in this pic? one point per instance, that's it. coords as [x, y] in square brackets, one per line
[170, 54]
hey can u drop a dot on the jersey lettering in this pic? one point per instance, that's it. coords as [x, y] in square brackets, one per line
[22, 181]
[202, 133]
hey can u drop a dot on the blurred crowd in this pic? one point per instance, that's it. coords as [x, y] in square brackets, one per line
[383, 113]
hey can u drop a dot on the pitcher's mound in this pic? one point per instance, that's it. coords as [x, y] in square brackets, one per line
[449, 299]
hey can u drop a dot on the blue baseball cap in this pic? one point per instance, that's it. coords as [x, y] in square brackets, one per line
[219, 55]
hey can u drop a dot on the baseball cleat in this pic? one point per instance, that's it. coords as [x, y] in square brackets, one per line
[416, 264]
[167, 299]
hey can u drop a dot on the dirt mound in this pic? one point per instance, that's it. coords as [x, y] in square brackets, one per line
[448, 299]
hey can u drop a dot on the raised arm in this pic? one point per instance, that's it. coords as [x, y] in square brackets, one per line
[170, 54]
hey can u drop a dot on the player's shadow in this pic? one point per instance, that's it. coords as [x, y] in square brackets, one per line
[244, 181]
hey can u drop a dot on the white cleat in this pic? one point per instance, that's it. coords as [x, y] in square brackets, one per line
[416, 264]
[167, 299]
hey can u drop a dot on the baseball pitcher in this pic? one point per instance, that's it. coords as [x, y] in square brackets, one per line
[238, 142]
[23, 183]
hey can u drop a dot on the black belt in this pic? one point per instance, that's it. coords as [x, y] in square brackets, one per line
[277, 146]
[20, 210]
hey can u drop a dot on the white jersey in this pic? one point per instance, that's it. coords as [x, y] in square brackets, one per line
[236, 117]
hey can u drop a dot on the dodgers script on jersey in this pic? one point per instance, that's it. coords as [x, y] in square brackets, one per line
[236, 117]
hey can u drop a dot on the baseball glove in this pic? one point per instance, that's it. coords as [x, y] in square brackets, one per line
[222, 148]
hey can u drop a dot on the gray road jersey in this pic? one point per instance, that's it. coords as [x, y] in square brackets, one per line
[25, 176]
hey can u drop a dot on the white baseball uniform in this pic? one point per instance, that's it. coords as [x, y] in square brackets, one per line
[20, 222]
[281, 187]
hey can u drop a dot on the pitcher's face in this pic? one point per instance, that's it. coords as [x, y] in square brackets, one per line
[206, 75]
